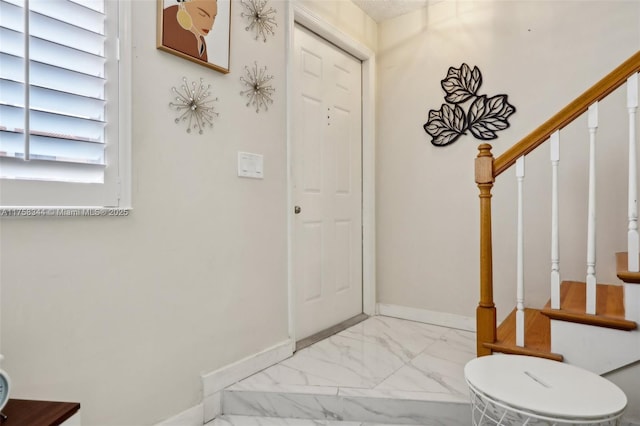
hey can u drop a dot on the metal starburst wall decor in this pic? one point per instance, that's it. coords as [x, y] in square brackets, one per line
[258, 90]
[194, 105]
[260, 19]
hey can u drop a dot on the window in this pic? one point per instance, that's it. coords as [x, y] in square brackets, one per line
[64, 108]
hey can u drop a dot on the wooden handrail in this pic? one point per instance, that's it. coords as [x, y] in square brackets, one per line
[597, 92]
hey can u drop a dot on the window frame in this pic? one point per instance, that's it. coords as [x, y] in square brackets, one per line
[115, 191]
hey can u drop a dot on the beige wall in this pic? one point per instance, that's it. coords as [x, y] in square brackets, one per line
[542, 54]
[347, 17]
[124, 315]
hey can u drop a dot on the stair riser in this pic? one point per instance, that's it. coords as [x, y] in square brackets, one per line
[632, 302]
[596, 349]
[347, 408]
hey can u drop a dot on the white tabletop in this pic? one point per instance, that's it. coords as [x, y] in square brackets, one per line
[545, 387]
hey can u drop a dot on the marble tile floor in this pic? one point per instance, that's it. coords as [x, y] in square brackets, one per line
[273, 421]
[381, 371]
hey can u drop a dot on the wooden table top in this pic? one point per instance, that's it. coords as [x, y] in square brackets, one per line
[22, 412]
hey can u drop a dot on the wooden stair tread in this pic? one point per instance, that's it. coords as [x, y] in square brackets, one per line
[622, 271]
[609, 306]
[537, 341]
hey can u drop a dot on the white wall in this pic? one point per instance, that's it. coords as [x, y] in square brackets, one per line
[542, 54]
[124, 315]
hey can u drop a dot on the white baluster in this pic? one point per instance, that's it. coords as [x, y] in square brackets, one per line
[633, 240]
[592, 118]
[555, 232]
[520, 256]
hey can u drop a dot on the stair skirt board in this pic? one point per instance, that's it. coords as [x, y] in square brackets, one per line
[337, 407]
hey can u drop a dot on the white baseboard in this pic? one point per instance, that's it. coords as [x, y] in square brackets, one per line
[212, 406]
[193, 416]
[230, 374]
[214, 382]
[430, 317]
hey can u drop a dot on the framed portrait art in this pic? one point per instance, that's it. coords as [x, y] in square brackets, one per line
[197, 30]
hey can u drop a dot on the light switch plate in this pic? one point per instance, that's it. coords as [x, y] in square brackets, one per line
[250, 165]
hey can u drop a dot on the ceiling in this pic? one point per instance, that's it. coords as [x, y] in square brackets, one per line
[381, 10]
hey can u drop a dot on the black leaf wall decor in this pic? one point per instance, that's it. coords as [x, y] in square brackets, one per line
[485, 116]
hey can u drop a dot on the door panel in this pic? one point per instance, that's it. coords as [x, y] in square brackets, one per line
[327, 179]
[312, 261]
[311, 114]
[343, 253]
[343, 158]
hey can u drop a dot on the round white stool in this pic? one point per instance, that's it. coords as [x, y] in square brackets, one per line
[524, 390]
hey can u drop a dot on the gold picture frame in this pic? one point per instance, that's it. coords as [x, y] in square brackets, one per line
[196, 30]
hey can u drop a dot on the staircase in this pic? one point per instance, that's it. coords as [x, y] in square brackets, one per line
[589, 324]
[600, 343]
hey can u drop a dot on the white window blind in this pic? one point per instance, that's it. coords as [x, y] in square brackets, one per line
[60, 141]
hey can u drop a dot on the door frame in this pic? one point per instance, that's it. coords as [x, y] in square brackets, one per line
[297, 13]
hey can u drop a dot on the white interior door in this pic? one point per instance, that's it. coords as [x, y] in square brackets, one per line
[327, 179]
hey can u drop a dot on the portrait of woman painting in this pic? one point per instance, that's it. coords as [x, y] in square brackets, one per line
[197, 30]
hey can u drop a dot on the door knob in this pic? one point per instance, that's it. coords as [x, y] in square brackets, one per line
[297, 209]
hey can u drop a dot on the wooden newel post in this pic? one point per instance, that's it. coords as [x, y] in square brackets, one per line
[486, 311]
